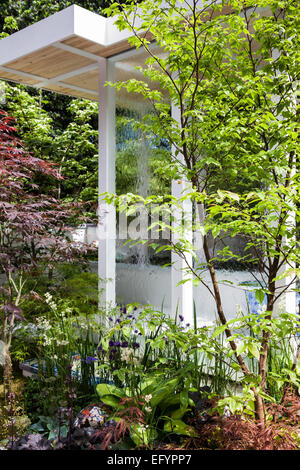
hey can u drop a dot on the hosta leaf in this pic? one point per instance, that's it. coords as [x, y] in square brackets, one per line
[111, 400]
[108, 389]
[179, 427]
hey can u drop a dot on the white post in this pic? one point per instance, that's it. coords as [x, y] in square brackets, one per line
[106, 183]
[182, 295]
[288, 301]
[290, 296]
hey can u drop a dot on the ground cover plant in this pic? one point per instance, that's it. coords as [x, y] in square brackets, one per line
[156, 388]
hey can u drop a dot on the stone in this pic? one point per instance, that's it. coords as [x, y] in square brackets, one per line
[92, 416]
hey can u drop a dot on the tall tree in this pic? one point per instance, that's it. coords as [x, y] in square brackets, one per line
[232, 73]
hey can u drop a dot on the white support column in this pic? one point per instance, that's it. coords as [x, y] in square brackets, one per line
[182, 295]
[290, 296]
[288, 301]
[106, 183]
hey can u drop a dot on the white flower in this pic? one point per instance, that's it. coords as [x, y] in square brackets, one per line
[46, 341]
[49, 301]
[148, 409]
[148, 398]
[126, 354]
[48, 297]
[262, 309]
[62, 342]
[143, 428]
[43, 323]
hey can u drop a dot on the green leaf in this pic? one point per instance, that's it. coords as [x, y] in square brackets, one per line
[177, 426]
[163, 392]
[219, 330]
[179, 413]
[184, 398]
[253, 349]
[240, 348]
[111, 400]
[259, 295]
[141, 435]
[108, 389]
[126, 331]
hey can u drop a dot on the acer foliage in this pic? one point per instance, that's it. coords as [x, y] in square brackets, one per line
[34, 228]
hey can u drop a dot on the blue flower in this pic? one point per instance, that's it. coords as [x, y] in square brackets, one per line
[124, 344]
[181, 318]
[136, 345]
[90, 359]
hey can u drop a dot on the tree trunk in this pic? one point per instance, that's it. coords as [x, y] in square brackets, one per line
[259, 402]
[260, 413]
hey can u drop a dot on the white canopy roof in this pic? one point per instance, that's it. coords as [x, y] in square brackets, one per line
[62, 53]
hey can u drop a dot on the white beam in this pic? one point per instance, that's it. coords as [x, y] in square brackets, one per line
[75, 50]
[65, 76]
[74, 87]
[43, 83]
[132, 52]
[21, 74]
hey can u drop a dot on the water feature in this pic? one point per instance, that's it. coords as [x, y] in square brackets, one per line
[138, 277]
[150, 284]
[143, 189]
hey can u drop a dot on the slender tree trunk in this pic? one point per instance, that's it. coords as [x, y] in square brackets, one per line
[260, 413]
[266, 334]
[259, 402]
